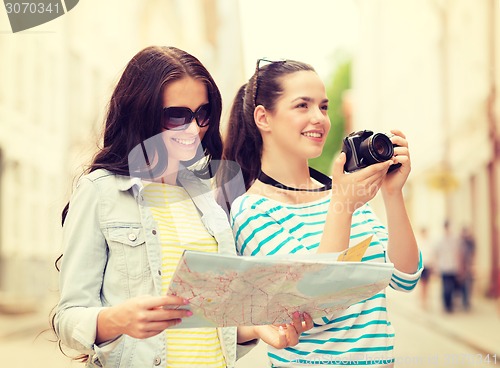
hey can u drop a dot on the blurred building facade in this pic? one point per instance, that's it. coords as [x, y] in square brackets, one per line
[432, 69]
[55, 82]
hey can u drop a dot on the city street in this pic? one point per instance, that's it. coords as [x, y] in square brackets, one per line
[105, 88]
[419, 343]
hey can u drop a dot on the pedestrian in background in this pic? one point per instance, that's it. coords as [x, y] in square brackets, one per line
[131, 217]
[279, 120]
[428, 256]
[466, 275]
[448, 250]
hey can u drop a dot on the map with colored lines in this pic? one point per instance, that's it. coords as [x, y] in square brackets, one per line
[230, 290]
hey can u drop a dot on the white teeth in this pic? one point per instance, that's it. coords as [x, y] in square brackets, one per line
[187, 142]
[313, 135]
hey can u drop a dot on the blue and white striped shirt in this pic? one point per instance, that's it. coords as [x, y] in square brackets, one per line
[362, 334]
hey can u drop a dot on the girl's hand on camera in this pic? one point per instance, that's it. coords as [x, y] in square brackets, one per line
[140, 317]
[394, 181]
[352, 190]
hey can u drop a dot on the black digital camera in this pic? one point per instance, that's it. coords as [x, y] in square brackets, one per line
[364, 148]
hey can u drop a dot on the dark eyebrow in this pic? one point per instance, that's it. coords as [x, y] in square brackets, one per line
[308, 99]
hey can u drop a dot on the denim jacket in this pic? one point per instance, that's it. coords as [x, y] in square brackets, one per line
[112, 253]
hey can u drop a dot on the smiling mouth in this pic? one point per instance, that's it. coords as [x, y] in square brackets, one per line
[185, 142]
[312, 134]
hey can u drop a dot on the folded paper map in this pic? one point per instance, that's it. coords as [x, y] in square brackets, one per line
[230, 290]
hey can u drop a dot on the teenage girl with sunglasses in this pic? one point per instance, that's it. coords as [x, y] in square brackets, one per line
[131, 217]
[278, 121]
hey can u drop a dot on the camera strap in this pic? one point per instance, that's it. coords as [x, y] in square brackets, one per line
[315, 174]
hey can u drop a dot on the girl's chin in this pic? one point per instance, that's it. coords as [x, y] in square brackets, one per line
[315, 153]
[182, 155]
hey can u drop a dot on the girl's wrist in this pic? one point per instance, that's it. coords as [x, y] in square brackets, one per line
[247, 334]
[342, 208]
[107, 328]
[392, 193]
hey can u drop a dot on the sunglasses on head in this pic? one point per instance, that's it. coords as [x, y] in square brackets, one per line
[260, 63]
[179, 118]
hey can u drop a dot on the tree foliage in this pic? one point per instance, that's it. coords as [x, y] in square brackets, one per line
[335, 88]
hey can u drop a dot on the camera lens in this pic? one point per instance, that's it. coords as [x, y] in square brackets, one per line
[378, 147]
[381, 147]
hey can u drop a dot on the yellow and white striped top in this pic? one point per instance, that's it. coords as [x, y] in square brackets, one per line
[180, 228]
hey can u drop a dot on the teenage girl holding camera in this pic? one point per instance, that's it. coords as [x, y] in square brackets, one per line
[278, 121]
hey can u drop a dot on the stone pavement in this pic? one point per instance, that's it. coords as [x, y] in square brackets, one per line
[22, 320]
[479, 328]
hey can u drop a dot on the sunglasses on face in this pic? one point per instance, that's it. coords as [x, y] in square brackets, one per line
[179, 118]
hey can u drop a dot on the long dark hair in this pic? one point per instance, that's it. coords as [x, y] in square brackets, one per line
[243, 141]
[134, 111]
[134, 114]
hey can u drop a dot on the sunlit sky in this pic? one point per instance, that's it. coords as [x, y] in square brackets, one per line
[309, 31]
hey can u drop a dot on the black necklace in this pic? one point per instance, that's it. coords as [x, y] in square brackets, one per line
[315, 174]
